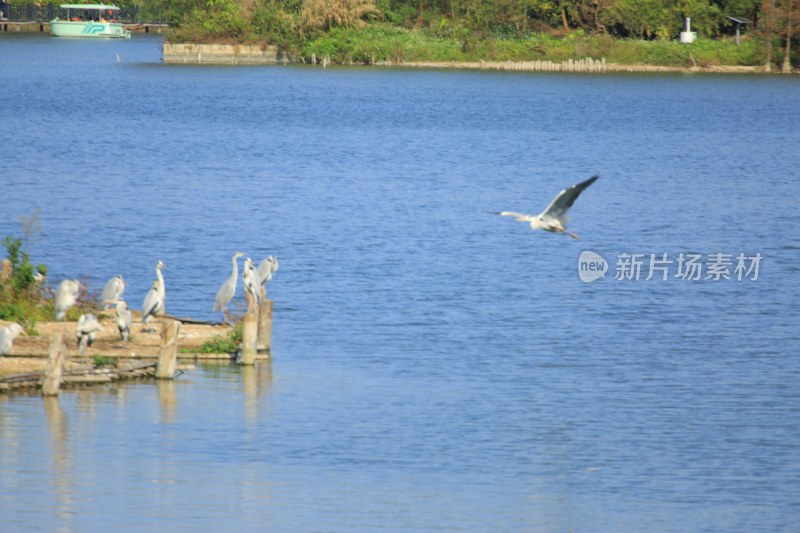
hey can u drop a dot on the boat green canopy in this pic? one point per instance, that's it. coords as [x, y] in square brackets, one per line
[90, 6]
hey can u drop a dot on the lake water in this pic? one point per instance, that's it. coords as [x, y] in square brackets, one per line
[435, 367]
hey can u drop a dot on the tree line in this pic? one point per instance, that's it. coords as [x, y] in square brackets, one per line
[290, 23]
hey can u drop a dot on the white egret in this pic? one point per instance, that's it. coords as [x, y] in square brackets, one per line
[8, 335]
[124, 319]
[251, 280]
[228, 289]
[152, 302]
[554, 218]
[162, 289]
[66, 296]
[112, 291]
[267, 268]
[88, 326]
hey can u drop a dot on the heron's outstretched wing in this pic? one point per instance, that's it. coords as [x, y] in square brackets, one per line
[517, 216]
[566, 198]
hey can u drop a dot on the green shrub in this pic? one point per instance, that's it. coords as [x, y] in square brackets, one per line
[104, 360]
[22, 297]
[228, 343]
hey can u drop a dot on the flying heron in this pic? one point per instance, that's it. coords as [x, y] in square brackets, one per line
[554, 218]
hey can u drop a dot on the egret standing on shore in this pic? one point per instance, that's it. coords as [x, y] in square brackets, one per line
[112, 291]
[228, 289]
[88, 326]
[162, 289]
[66, 296]
[554, 218]
[8, 335]
[152, 302]
[124, 320]
[155, 298]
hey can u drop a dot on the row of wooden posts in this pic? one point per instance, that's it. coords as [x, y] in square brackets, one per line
[256, 337]
[571, 65]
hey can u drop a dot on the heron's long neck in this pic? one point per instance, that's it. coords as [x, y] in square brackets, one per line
[235, 268]
[161, 287]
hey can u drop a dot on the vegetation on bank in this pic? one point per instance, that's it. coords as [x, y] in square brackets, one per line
[25, 296]
[621, 31]
[228, 343]
[365, 31]
[378, 43]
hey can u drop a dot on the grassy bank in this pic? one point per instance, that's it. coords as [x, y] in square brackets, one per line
[376, 43]
[382, 43]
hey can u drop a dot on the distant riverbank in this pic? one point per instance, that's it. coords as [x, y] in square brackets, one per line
[230, 54]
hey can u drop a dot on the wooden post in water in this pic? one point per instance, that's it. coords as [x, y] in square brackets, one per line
[55, 365]
[264, 342]
[250, 337]
[168, 357]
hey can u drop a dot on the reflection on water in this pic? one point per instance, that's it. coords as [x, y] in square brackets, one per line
[167, 400]
[256, 382]
[62, 464]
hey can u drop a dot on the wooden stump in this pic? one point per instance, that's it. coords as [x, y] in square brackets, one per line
[264, 343]
[55, 365]
[249, 337]
[168, 357]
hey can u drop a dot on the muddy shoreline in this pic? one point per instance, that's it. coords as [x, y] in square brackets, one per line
[29, 352]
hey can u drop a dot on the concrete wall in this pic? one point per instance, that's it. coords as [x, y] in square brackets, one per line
[222, 54]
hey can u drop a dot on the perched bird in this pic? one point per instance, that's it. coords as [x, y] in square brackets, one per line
[152, 302]
[228, 289]
[251, 281]
[124, 320]
[155, 298]
[554, 218]
[267, 268]
[162, 289]
[112, 291]
[8, 335]
[88, 326]
[66, 296]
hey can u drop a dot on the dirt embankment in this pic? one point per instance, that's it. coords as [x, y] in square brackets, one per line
[29, 352]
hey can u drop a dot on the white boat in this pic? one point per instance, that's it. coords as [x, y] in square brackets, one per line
[88, 20]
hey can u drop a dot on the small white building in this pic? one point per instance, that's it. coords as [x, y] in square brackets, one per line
[687, 35]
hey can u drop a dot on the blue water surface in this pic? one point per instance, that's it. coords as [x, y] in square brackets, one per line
[435, 366]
